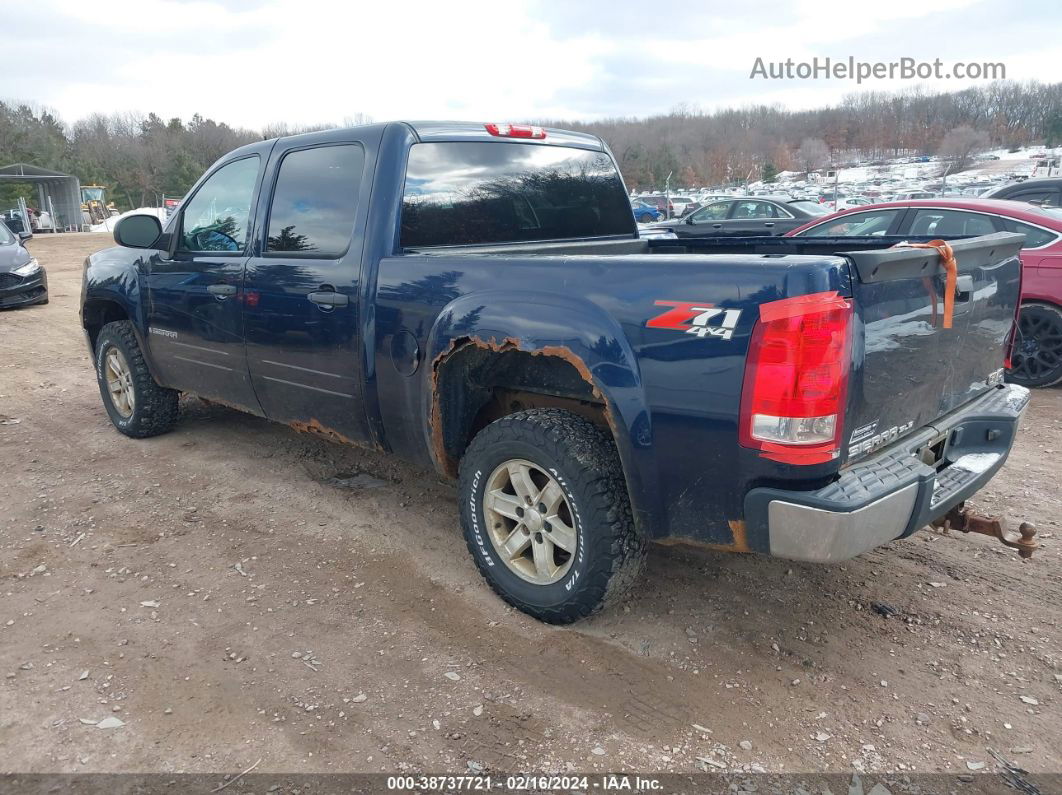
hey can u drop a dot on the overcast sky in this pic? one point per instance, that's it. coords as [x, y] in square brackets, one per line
[252, 62]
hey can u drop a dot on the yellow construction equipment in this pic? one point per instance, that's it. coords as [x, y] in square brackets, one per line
[93, 204]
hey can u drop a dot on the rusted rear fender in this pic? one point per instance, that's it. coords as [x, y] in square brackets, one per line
[573, 330]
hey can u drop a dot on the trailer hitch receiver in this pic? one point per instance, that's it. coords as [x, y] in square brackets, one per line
[966, 521]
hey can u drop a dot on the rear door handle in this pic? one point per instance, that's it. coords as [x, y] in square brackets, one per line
[328, 298]
[768, 223]
[222, 290]
[717, 226]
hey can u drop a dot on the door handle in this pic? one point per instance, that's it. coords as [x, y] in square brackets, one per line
[329, 299]
[222, 290]
[768, 223]
[717, 226]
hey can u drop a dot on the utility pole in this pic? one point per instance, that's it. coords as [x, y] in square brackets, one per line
[667, 194]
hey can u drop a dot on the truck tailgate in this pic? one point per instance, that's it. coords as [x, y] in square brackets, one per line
[909, 369]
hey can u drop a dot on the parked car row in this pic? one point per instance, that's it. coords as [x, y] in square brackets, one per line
[773, 215]
[1030, 206]
[1037, 356]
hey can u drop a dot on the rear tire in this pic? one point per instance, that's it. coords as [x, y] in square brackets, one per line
[1037, 356]
[137, 406]
[574, 473]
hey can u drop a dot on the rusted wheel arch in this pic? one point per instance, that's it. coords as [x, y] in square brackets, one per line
[476, 381]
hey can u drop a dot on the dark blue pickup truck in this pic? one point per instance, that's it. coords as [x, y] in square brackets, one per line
[476, 299]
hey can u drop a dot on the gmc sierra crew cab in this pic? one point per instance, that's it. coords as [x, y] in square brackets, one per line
[475, 298]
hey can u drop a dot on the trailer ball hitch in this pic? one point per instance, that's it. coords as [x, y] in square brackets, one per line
[966, 521]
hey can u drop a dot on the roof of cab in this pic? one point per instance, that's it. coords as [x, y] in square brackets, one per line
[440, 131]
[477, 131]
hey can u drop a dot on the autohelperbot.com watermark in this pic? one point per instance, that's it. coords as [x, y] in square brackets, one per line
[850, 68]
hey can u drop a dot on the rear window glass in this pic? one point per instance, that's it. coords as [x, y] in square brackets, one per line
[467, 193]
[811, 208]
[1045, 198]
[1035, 237]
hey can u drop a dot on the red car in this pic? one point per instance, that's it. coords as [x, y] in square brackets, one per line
[1037, 359]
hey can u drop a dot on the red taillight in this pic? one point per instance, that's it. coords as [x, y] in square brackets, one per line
[796, 379]
[515, 130]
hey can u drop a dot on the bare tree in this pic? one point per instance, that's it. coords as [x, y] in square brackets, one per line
[813, 154]
[961, 144]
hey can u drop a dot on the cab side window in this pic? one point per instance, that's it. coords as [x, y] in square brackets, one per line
[217, 216]
[713, 212]
[315, 200]
[753, 210]
[873, 222]
[950, 223]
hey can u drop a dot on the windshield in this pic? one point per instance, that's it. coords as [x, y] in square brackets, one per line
[6, 238]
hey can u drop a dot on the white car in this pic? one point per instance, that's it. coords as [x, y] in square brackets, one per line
[679, 205]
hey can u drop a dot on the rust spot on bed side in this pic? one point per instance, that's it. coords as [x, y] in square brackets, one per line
[740, 543]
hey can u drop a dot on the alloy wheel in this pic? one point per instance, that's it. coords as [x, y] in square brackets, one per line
[530, 522]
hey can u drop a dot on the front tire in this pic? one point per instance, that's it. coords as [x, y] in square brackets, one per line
[137, 406]
[546, 515]
[1037, 357]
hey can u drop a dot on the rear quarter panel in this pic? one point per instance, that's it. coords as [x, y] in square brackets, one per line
[674, 396]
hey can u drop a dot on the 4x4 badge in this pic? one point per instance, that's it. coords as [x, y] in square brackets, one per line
[700, 319]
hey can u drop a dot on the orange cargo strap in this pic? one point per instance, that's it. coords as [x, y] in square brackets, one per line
[951, 268]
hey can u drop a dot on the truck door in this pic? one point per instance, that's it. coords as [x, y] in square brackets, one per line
[195, 316]
[302, 285]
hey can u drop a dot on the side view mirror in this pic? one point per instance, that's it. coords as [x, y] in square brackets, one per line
[689, 220]
[24, 235]
[137, 231]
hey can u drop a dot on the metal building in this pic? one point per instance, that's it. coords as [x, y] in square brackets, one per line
[58, 193]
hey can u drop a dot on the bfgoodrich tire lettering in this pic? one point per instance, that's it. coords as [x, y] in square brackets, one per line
[583, 461]
[154, 407]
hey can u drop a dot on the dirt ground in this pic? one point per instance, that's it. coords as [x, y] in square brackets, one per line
[230, 594]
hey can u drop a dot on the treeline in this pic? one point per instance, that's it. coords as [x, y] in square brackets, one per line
[725, 146]
[138, 158]
[141, 158]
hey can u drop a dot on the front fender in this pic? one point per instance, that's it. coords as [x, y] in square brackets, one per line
[113, 276]
[580, 333]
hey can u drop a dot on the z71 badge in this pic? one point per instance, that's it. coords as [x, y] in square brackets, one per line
[703, 320]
